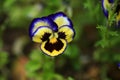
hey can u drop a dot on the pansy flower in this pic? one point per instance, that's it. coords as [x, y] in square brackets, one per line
[52, 32]
[108, 5]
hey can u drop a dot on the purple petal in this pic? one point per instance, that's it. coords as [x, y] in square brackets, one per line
[49, 23]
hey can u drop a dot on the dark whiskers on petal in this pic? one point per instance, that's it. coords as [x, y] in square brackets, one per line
[61, 35]
[56, 46]
[45, 36]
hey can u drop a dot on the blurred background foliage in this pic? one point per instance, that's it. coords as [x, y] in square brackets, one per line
[94, 54]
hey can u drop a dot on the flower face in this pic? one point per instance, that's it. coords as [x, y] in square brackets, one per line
[109, 5]
[52, 32]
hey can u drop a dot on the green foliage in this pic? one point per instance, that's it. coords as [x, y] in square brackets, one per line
[2, 78]
[91, 11]
[72, 50]
[3, 59]
[33, 66]
[17, 15]
[69, 78]
[107, 36]
[41, 67]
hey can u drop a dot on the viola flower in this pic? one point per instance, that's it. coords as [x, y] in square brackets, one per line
[107, 5]
[52, 32]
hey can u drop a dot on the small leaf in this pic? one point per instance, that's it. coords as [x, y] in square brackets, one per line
[36, 55]
[103, 43]
[3, 58]
[113, 33]
[116, 57]
[70, 78]
[8, 4]
[32, 66]
[72, 51]
[96, 56]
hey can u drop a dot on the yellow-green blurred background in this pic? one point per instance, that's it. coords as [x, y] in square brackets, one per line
[90, 56]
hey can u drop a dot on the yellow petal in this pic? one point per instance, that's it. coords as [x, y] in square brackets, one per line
[53, 52]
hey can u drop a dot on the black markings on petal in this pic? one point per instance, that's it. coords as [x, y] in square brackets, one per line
[61, 35]
[56, 46]
[45, 36]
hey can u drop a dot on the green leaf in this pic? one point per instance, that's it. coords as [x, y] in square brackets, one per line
[72, 51]
[102, 28]
[36, 55]
[48, 66]
[54, 3]
[8, 4]
[32, 75]
[70, 78]
[116, 57]
[113, 33]
[96, 55]
[103, 43]
[57, 77]
[52, 76]
[3, 58]
[32, 66]
[105, 57]
[87, 4]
